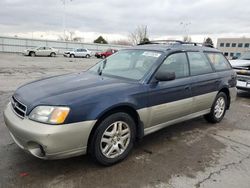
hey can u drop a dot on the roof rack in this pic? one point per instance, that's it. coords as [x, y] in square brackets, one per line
[161, 42]
[176, 42]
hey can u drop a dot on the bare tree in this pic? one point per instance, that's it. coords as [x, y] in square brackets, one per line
[69, 36]
[187, 38]
[140, 35]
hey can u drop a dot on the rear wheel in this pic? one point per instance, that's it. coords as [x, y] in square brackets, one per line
[113, 139]
[103, 56]
[72, 55]
[87, 56]
[53, 54]
[218, 109]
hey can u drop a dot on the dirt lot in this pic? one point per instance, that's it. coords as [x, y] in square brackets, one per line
[191, 154]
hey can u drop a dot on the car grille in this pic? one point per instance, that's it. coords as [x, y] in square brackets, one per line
[18, 107]
[244, 70]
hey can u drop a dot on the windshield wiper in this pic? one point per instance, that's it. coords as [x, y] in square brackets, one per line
[99, 71]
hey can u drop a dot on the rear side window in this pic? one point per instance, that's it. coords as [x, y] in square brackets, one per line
[176, 63]
[199, 64]
[218, 61]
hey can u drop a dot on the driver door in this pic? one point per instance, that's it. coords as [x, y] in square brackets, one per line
[170, 100]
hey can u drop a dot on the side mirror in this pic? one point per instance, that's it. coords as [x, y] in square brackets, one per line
[164, 76]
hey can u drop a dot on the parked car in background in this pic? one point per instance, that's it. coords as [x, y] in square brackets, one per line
[105, 54]
[79, 52]
[242, 67]
[41, 51]
[133, 93]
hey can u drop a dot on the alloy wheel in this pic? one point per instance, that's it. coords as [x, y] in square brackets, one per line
[115, 139]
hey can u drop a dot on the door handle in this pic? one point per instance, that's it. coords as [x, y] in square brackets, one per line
[187, 88]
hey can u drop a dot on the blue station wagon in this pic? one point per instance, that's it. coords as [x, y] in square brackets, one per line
[135, 92]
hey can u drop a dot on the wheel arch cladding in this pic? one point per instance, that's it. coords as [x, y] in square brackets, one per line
[122, 108]
[226, 91]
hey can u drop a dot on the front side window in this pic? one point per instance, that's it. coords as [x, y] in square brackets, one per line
[128, 64]
[176, 63]
[218, 61]
[199, 64]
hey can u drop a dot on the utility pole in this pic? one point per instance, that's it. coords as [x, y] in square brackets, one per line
[64, 2]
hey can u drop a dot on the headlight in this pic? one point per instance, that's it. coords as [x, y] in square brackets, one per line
[49, 114]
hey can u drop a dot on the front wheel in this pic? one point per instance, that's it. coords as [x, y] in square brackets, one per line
[72, 55]
[113, 139]
[218, 109]
[32, 54]
[87, 56]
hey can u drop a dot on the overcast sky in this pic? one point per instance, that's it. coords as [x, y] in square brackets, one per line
[117, 18]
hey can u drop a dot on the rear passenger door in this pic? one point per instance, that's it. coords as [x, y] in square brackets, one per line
[169, 100]
[205, 81]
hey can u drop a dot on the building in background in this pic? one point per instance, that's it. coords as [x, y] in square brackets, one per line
[233, 47]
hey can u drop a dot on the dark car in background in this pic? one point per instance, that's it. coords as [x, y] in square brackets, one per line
[124, 97]
[242, 67]
[105, 54]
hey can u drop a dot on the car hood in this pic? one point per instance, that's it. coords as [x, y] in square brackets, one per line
[66, 89]
[240, 63]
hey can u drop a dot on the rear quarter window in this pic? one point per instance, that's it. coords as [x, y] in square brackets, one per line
[218, 61]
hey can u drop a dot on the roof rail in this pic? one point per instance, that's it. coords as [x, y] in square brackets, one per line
[177, 42]
[161, 42]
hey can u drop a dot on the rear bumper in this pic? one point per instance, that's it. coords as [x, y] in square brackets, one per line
[48, 141]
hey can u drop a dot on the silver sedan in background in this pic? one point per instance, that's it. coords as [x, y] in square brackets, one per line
[41, 51]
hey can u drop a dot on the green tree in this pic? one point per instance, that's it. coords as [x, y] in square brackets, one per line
[100, 40]
[208, 42]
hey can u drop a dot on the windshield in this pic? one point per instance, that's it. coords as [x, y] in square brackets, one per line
[129, 64]
[245, 56]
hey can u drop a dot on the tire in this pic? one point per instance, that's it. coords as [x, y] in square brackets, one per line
[53, 54]
[32, 54]
[72, 56]
[113, 139]
[218, 109]
[87, 56]
[103, 56]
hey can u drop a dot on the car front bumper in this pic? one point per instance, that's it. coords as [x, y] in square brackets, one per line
[26, 53]
[243, 82]
[48, 141]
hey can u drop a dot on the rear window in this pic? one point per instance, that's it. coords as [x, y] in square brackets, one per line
[218, 61]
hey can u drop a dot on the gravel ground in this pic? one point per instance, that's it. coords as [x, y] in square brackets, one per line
[191, 154]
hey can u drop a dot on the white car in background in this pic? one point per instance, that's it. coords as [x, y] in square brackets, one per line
[41, 51]
[242, 67]
[79, 52]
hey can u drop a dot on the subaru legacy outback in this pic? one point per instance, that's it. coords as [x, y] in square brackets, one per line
[135, 92]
